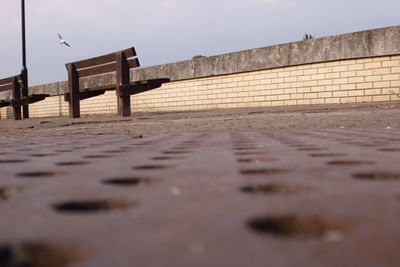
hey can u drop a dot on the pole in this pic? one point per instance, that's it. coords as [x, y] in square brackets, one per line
[24, 71]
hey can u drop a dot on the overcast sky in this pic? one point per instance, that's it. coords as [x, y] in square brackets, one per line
[164, 31]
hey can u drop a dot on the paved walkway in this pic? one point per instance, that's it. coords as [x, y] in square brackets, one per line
[253, 187]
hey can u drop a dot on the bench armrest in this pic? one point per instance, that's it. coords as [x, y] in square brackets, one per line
[140, 86]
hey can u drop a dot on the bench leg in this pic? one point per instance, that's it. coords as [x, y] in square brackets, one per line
[26, 111]
[124, 106]
[73, 88]
[74, 107]
[17, 113]
[123, 78]
[16, 95]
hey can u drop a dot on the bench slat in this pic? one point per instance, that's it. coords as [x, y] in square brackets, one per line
[28, 100]
[37, 97]
[130, 52]
[97, 70]
[102, 69]
[6, 80]
[6, 87]
[85, 95]
[133, 63]
[143, 86]
[10, 79]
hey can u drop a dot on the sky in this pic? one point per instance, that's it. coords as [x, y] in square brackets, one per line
[164, 31]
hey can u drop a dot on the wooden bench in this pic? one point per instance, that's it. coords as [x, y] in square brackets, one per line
[120, 62]
[19, 96]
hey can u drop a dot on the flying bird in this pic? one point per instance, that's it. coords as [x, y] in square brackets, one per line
[62, 41]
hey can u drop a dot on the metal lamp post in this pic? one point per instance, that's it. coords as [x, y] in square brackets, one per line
[24, 71]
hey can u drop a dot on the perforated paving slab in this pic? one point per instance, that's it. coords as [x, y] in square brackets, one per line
[320, 198]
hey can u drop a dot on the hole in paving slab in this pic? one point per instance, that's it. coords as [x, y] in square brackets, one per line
[114, 151]
[92, 206]
[38, 174]
[255, 160]
[256, 112]
[245, 148]
[249, 153]
[300, 227]
[136, 136]
[350, 162]
[274, 189]
[7, 191]
[173, 152]
[97, 156]
[151, 167]
[64, 150]
[181, 148]
[327, 155]
[377, 176]
[166, 158]
[262, 171]
[390, 149]
[79, 147]
[289, 142]
[41, 155]
[72, 163]
[244, 143]
[131, 181]
[240, 140]
[11, 161]
[37, 254]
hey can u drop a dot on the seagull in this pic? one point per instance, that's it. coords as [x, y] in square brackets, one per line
[62, 41]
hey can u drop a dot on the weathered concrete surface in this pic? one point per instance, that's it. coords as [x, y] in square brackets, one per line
[371, 43]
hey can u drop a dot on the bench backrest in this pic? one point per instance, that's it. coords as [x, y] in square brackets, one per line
[120, 62]
[104, 64]
[8, 84]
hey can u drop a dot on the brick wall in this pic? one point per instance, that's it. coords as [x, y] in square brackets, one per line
[350, 81]
[347, 81]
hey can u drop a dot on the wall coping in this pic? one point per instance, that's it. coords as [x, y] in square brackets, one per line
[363, 44]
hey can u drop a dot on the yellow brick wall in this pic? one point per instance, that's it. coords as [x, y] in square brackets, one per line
[51, 107]
[347, 81]
[5, 113]
[56, 106]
